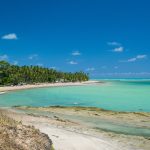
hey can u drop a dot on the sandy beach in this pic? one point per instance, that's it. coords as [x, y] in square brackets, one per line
[68, 133]
[40, 85]
[65, 138]
[75, 75]
[73, 128]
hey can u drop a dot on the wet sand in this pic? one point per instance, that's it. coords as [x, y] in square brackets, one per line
[73, 128]
[75, 134]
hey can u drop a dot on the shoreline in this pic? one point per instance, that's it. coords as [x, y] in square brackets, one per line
[5, 89]
[68, 126]
[99, 116]
[68, 134]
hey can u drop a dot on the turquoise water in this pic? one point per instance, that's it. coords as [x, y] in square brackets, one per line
[96, 123]
[123, 95]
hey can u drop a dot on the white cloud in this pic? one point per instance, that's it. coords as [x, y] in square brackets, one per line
[132, 59]
[118, 49]
[33, 56]
[53, 67]
[113, 43]
[76, 53]
[125, 74]
[90, 69]
[39, 64]
[15, 62]
[73, 62]
[117, 46]
[138, 57]
[4, 57]
[11, 36]
[141, 56]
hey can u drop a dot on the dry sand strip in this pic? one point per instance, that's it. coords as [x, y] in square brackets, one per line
[68, 140]
[40, 85]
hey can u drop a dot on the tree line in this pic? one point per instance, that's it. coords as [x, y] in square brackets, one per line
[18, 75]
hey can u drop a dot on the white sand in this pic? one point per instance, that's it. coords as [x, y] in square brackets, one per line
[28, 86]
[67, 140]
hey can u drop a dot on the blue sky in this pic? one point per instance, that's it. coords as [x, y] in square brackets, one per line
[107, 38]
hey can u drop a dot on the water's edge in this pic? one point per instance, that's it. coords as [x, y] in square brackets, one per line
[93, 122]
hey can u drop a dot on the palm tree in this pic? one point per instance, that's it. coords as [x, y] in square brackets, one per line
[14, 75]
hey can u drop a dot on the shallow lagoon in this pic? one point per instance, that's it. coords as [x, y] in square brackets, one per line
[117, 95]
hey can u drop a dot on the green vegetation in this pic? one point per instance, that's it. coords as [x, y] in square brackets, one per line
[15, 75]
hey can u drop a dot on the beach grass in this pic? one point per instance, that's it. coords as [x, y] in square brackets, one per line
[16, 136]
